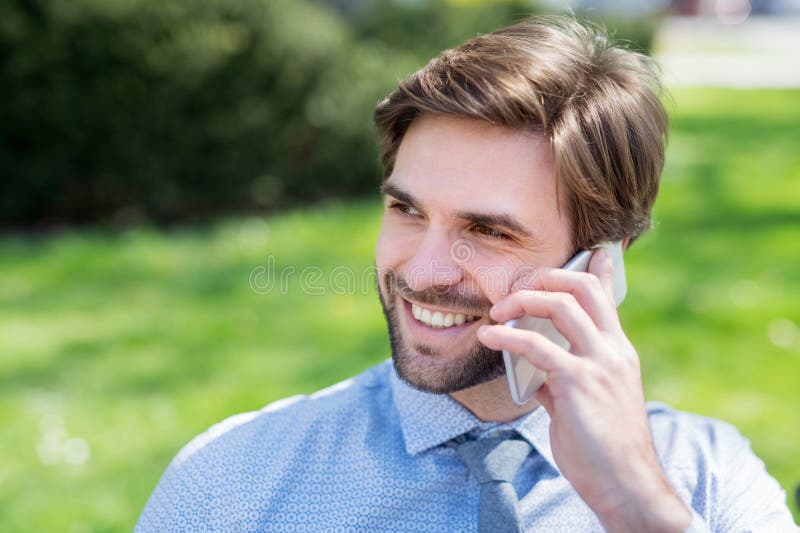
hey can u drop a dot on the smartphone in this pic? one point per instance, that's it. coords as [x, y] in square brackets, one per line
[524, 379]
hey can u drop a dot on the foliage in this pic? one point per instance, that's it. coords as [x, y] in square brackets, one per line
[136, 342]
[125, 110]
[179, 107]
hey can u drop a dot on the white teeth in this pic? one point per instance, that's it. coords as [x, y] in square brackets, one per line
[425, 316]
[437, 319]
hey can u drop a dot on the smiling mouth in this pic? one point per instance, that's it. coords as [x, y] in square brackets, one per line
[440, 319]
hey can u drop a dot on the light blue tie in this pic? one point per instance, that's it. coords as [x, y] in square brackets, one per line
[494, 462]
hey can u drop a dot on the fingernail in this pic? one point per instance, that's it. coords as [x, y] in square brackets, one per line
[483, 330]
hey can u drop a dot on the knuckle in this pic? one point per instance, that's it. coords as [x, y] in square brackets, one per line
[566, 301]
[593, 282]
[523, 294]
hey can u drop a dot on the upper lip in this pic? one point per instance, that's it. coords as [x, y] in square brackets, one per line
[442, 310]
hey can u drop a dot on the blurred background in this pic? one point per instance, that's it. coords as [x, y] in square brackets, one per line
[171, 170]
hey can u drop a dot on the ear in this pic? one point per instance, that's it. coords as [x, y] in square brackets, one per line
[625, 242]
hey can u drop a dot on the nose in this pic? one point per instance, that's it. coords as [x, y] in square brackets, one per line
[437, 261]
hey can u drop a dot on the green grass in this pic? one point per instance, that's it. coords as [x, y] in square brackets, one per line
[136, 342]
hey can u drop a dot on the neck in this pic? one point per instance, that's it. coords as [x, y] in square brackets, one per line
[491, 401]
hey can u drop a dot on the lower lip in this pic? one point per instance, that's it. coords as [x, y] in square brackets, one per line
[426, 332]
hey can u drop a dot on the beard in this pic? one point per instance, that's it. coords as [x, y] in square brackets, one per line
[418, 364]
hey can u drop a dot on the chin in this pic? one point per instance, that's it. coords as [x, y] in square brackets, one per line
[425, 370]
[462, 363]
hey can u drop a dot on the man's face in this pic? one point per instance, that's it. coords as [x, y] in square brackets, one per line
[470, 211]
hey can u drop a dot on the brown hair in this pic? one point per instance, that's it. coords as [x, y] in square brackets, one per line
[597, 103]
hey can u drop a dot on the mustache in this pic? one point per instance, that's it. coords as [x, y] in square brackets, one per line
[438, 295]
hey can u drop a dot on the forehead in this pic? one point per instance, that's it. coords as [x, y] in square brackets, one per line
[463, 164]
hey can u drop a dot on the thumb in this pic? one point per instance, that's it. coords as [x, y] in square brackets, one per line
[545, 397]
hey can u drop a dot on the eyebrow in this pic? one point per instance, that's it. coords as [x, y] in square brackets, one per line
[496, 220]
[387, 189]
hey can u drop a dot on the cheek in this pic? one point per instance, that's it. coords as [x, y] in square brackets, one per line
[495, 275]
[492, 275]
[393, 246]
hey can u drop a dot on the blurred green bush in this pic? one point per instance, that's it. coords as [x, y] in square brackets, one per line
[123, 109]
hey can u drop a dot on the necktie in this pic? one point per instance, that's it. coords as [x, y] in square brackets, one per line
[494, 462]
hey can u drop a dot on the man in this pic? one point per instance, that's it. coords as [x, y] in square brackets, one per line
[510, 152]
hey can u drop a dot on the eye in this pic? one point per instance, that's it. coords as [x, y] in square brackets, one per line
[404, 208]
[490, 232]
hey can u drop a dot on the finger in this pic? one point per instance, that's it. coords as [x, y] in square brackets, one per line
[588, 290]
[602, 267]
[562, 308]
[540, 351]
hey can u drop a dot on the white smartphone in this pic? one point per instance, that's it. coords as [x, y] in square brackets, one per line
[524, 379]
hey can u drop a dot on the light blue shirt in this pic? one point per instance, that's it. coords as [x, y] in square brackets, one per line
[368, 454]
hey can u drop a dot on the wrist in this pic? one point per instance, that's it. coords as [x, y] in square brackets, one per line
[657, 509]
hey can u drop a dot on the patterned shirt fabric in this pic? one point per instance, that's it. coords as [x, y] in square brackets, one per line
[370, 454]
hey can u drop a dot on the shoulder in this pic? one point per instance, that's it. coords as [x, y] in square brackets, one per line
[292, 418]
[712, 466]
[212, 472]
[694, 446]
[673, 428]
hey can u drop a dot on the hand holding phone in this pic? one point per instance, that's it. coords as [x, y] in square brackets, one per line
[523, 378]
[593, 391]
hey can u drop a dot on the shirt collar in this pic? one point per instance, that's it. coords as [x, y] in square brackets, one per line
[429, 420]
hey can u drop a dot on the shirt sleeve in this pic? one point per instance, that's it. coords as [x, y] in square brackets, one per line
[176, 504]
[698, 525]
[747, 498]
[191, 491]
